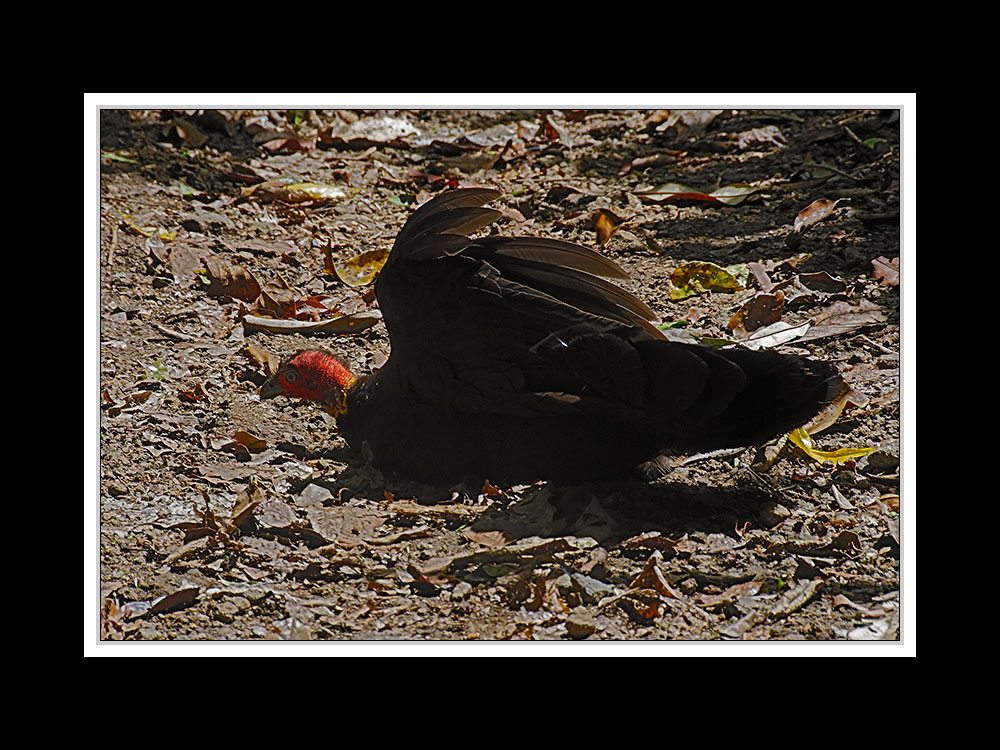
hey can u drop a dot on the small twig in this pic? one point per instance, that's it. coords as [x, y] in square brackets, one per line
[176, 335]
[853, 136]
[877, 345]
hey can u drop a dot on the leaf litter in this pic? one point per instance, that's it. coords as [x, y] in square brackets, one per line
[364, 559]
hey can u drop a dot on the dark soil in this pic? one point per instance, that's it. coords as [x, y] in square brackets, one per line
[208, 534]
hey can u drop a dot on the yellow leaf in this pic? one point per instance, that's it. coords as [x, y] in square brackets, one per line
[698, 277]
[316, 190]
[296, 192]
[801, 438]
[362, 269]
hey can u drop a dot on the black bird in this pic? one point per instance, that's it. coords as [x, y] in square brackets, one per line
[514, 358]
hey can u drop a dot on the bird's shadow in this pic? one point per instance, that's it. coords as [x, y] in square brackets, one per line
[608, 511]
[612, 511]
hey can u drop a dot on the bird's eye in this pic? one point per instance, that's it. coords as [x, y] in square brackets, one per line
[291, 376]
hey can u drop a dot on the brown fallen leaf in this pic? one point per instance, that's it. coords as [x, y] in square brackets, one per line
[766, 134]
[288, 144]
[761, 310]
[847, 317]
[760, 276]
[170, 602]
[253, 443]
[796, 597]
[188, 131]
[652, 577]
[814, 213]
[886, 270]
[195, 395]
[245, 505]
[687, 121]
[353, 323]
[329, 268]
[264, 359]
[554, 130]
[839, 600]
[494, 539]
[417, 532]
[276, 298]
[230, 279]
[831, 412]
[842, 318]
[729, 195]
[821, 281]
[607, 224]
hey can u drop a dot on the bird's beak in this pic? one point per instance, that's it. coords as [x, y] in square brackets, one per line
[271, 388]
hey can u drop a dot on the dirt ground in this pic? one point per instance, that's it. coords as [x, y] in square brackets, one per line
[225, 518]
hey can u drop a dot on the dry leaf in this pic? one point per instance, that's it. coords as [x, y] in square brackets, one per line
[776, 334]
[171, 602]
[801, 438]
[362, 269]
[297, 192]
[821, 281]
[831, 412]
[699, 277]
[264, 359]
[230, 279]
[192, 396]
[886, 270]
[688, 120]
[276, 297]
[767, 134]
[814, 213]
[730, 195]
[252, 443]
[607, 224]
[761, 310]
[353, 323]
[189, 132]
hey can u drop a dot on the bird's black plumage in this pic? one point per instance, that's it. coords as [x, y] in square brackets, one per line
[515, 358]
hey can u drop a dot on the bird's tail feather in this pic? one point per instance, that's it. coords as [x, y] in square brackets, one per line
[732, 398]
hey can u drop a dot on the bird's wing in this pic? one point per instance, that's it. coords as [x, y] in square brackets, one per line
[470, 316]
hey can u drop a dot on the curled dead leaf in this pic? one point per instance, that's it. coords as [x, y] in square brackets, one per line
[353, 323]
[832, 411]
[729, 195]
[821, 281]
[170, 602]
[814, 213]
[275, 297]
[777, 333]
[804, 442]
[685, 120]
[607, 224]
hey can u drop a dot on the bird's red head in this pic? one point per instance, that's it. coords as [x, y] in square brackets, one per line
[314, 376]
